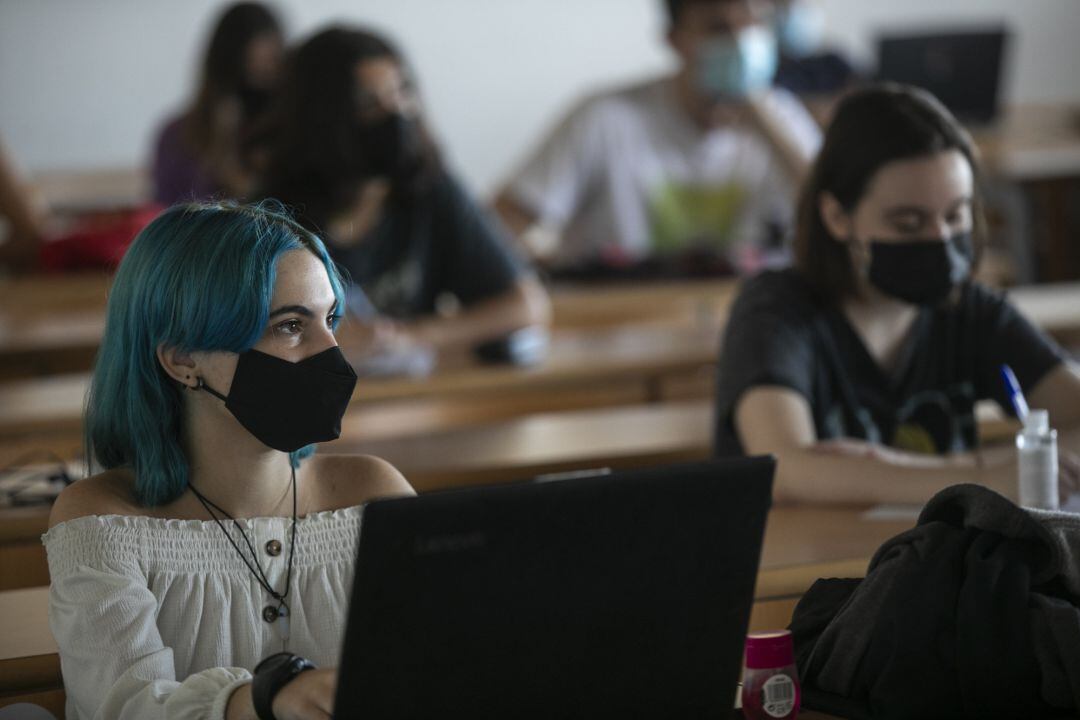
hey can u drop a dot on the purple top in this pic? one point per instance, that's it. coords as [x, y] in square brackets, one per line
[177, 174]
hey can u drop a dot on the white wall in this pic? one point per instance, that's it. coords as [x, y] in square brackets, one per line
[83, 83]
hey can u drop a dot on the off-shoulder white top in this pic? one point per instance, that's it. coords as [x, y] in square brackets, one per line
[161, 618]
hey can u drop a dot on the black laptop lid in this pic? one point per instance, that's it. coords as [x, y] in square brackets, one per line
[963, 69]
[626, 594]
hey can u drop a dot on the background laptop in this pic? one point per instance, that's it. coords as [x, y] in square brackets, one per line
[963, 69]
[626, 594]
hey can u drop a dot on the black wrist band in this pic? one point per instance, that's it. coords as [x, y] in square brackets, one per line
[272, 674]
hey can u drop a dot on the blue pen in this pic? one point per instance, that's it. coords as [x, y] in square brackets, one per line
[1016, 395]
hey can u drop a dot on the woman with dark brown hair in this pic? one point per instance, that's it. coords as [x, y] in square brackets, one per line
[349, 150]
[197, 154]
[860, 367]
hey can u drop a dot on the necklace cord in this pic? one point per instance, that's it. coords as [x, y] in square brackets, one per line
[256, 570]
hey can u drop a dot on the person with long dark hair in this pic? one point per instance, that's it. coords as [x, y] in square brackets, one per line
[349, 151]
[860, 367]
[197, 154]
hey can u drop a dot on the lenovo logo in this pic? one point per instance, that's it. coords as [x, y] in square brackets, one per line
[457, 542]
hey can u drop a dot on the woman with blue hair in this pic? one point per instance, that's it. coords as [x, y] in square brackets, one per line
[205, 571]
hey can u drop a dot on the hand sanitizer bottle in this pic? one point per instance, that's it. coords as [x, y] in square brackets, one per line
[1036, 444]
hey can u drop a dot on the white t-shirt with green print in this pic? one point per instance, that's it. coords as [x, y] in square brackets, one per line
[628, 176]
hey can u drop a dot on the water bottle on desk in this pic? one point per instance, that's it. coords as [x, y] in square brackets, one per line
[1036, 448]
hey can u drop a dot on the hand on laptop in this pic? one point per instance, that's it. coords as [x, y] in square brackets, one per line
[308, 696]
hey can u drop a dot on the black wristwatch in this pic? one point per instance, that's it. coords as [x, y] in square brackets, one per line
[271, 675]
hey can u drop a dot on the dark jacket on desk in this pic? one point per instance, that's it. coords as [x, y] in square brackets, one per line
[972, 613]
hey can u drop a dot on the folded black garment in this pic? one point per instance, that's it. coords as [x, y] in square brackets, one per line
[973, 613]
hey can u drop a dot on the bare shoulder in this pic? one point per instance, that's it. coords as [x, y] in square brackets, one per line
[347, 480]
[109, 493]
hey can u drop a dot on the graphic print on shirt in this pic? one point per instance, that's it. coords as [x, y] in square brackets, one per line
[931, 422]
[392, 292]
[694, 216]
[937, 422]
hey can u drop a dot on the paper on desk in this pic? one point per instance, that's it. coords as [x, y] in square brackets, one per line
[887, 512]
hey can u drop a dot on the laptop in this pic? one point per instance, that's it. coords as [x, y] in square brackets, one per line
[963, 69]
[623, 594]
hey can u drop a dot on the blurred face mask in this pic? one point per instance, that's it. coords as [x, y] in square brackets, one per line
[920, 272]
[390, 147]
[800, 28]
[738, 65]
[253, 101]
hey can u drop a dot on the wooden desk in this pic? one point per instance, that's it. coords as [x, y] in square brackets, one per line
[1038, 148]
[22, 556]
[520, 448]
[589, 366]
[29, 664]
[694, 302]
[642, 354]
[801, 544]
[1054, 307]
[50, 324]
[54, 324]
[626, 364]
[516, 449]
[69, 191]
[524, 447]
[1032, 142]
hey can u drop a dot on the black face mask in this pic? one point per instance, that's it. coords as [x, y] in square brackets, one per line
[289, 405]
[390, 147]
[922, 272]
[253, 102]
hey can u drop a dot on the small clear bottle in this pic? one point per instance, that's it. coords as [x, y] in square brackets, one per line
[1036, 445]
[770, 688]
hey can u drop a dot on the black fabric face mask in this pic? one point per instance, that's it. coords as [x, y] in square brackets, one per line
[390, 147]
[253, 102]
[289, 405]
[921, 272]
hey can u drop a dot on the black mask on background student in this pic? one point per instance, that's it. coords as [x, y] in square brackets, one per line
[253, 101]
[921, 272]
[289, 405]
[390, 147]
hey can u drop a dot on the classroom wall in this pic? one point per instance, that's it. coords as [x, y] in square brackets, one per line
[84, 83]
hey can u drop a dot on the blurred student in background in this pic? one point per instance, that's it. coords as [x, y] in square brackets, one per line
[860, 367]
[807, 67]
[22, 221]
[697, 170]
[349, 151]
[197, 154]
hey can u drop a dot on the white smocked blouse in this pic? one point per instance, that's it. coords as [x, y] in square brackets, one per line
[161, 618]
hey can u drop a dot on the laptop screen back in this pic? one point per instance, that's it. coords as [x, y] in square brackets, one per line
[962, 69]
[626, 594]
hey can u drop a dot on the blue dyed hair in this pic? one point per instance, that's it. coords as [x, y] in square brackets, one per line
[200, 277]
